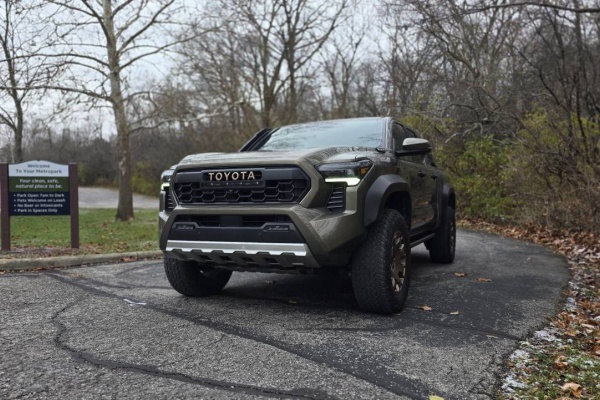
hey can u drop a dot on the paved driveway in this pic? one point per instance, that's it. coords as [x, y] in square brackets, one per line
[96, 197]
[119, 331]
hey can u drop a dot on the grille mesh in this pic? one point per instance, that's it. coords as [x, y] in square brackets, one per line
[273, 191]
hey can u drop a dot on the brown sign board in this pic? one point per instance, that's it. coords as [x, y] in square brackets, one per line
[38, 188]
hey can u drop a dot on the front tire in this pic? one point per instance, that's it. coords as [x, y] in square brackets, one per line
[381, 266]
[443, 246]
[192, 280]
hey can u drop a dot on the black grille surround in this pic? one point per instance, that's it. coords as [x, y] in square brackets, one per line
[274, 185]
[169, 205]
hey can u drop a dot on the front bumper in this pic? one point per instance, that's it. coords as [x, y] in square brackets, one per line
[316, 237]
[245, 255]
[326, 238]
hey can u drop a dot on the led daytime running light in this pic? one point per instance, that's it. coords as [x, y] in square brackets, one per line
[349, 173]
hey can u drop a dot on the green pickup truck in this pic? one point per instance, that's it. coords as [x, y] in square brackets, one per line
[351, 194]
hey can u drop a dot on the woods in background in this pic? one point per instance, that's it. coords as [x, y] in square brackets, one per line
[508, 92]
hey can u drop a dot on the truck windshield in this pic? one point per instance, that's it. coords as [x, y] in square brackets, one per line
[336, 133]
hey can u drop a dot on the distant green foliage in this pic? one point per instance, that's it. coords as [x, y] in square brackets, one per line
[481, 175]
[560, 154]
[145, 178]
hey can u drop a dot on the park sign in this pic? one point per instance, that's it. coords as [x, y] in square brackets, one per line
[38, 188]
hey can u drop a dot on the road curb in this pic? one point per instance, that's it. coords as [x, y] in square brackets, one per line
[75, 261]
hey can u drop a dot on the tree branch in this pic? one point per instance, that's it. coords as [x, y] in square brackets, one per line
[59, 88]
[584, 10]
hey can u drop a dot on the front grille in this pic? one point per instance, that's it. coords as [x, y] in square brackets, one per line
[337, 199]
[278, 185]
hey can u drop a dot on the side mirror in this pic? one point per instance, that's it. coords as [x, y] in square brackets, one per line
[415, 146]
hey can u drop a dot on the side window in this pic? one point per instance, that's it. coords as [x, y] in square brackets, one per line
[399, 135]
[429, 160]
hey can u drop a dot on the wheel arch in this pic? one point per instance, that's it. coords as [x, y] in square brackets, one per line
[448, 200]
[448, 197]
[388, 191]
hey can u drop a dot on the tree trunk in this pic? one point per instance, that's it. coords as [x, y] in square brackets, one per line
[18, 149]
[125, 205]
[17, 127]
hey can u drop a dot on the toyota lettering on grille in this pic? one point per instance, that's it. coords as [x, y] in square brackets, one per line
[219, 176]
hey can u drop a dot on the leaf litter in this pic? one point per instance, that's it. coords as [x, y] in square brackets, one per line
[561, 361]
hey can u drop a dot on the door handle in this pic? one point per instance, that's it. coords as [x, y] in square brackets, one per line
[421, 174]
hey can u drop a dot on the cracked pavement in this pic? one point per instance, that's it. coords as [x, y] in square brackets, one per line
[120, 331]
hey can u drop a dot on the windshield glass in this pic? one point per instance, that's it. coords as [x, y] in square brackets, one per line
[350, 132]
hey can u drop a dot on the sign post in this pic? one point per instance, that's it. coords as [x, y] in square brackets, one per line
[4, 207]
[36, 188]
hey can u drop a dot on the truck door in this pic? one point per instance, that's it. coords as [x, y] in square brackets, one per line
[427, 181]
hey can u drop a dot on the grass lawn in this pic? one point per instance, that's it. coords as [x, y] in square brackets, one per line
[98, 233]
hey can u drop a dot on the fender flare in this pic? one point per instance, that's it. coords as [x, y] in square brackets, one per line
[378, 194]
[447, 193]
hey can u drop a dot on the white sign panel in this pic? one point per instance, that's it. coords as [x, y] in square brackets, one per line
[38, 168]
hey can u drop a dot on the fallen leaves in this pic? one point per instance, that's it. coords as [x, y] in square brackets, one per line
[425, 308]
[484, 280]
[460, 274]
[560, 363]
[434, 397]
[573, 388]
[454, 313]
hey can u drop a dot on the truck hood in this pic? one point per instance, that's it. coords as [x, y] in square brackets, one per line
[264, 158]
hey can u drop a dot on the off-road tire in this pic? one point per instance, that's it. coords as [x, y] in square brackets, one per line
[373, 263]
[443, 246]
[192, 280]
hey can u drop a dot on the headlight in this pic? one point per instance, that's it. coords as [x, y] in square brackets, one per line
[165, 179]
[349, 172]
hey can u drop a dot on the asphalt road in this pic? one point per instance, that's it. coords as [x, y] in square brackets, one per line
[97, 197]
[119, 331]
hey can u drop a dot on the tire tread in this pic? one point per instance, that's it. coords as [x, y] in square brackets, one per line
[439, 252]
[189, 279]
[371, 277]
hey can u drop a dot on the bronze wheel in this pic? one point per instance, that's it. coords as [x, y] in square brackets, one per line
[380, 267]
[398, 261]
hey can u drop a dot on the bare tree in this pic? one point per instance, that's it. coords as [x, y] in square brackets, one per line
[408, 67]
[471, 56]
[339, 66]
[306, 28]
[252, 70]
[23, 35]
[216, 86]
[105, 40]
[280, 39]
[575, 7]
